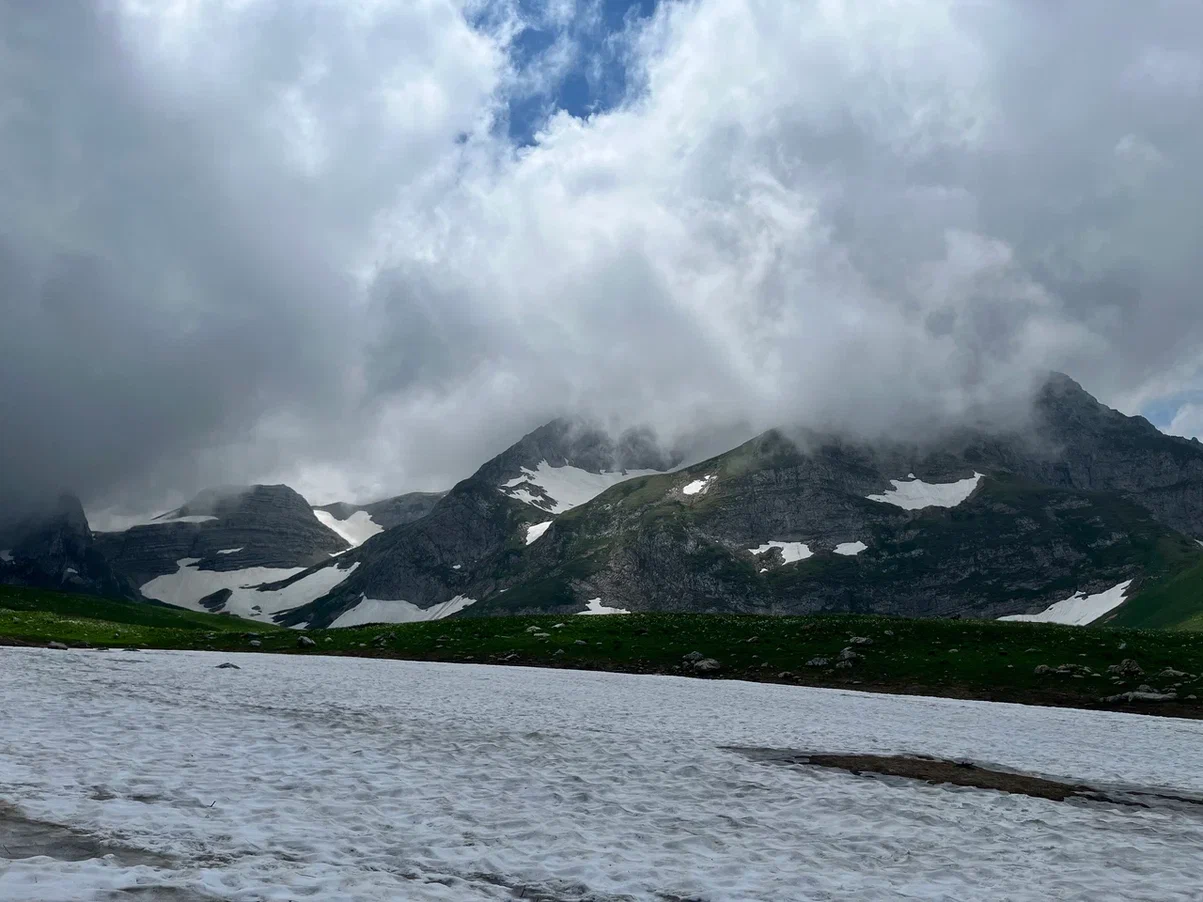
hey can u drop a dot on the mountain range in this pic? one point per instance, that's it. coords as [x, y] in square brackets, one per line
[1083, 514]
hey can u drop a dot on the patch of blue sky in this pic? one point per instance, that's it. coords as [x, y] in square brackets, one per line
[575, 59]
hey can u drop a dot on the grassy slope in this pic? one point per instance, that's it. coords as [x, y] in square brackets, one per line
[37, 615]
[958, 658]
[1172, 603]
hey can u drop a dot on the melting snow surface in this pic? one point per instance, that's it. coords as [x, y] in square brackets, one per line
[791, 551]
[373, 610]
[698, 486]
[595, 606]
[535, 532]
[850, 549]
[917, 494]
[231, 550]
[349, 778]
[568, 487]
[188, 585]
[1079, 609]
[356, 529]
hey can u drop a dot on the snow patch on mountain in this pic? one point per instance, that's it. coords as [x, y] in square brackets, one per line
[1079, 609]
[535, 532]
[105, 522]
[560, 489]
[375, 610]
[188, 585]
[850, 549]
[792, 552]
[230, 550]
[595, 606]
[917, 494]
[698, 486]
[356, 529]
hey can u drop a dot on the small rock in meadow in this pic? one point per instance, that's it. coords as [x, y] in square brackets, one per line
[785, 675]
[843, 665]
[541, 635]
[707, 665]
[1170, 673]
[580, 642]
[327, 639]
[818, 662]
[753, 639]
[847, 655]
[861, 640]
[57, 645]
[558, 652]
[255, 643]
[1042, 669]
[693, 657]
[1126, 667]
[889, 632]
[534, 629]
[305, 642]
[558, 626]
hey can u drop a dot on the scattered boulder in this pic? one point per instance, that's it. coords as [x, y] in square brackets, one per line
[847, 656]
[861, 640]
[57, 645]
[819, 662]
[785, 675]
[693, 657]
[843, 665]
[1126, 667]
[707, 665]
[228, 666]
[255, 643]
[305, 642]
[1140, 696]
[558, 626]
[534, 629]
[580, 642]
[889, 632]
[1042, 669]
[1171, 674]
[541, 635]
[558, 652]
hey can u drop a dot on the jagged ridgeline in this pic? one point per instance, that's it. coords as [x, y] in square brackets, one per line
[1086, 514]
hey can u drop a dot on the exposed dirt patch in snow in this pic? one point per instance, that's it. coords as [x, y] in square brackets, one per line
[942, 772]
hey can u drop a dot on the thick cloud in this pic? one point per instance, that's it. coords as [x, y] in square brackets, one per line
[279, 240]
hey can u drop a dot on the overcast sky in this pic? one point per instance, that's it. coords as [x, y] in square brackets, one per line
[362, 246]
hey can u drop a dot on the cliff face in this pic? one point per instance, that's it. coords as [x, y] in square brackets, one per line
[53, 548]
[226, 529]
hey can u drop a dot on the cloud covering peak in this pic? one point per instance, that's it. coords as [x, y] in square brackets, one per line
[305, 242]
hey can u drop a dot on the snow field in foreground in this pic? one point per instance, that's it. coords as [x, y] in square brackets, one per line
[354, 779]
